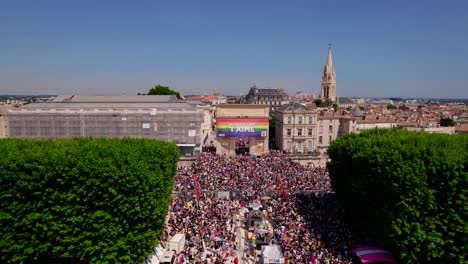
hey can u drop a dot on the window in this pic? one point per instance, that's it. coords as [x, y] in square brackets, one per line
[288, 145]
[310, 120]
[353, 129]
[289, 120]
[309, 145]
[309, 132]
[299, 146]
[320, 140]
[320, 129]
[288, 132]
[330, 139]
[330, 129]
[299, 132]
[299, 120]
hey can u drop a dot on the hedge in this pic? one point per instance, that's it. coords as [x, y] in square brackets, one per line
[407, 190]
[95, 200]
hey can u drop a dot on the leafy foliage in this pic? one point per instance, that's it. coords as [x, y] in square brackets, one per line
[163, 90]
[318, 102]
[446, 122]
[321, 103]
[335, 107]
[98, 200]
[409, 190]
[391, 106]
[328, 103]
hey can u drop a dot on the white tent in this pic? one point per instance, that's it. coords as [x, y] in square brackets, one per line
[272, 254]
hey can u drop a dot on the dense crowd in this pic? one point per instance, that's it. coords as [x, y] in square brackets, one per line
[306, 221]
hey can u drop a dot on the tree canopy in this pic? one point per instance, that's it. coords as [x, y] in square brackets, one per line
[163, 90]
[391, 106]
[318, 102]
[407, 190]
[336, 107]
[328, 103]
[446, 122]
[96, 200]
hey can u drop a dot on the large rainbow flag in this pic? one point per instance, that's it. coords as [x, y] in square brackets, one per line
[242, 127]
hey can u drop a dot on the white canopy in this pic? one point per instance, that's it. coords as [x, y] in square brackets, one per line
[272, 254]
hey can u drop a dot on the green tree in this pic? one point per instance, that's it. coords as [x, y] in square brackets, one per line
[391, 106]
[328, 103]
[407, 189]
[318, 102]
[335, 107]
[446, 122]
[96, 200]
[163, 90]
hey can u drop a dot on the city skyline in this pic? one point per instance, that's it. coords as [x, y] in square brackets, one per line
[380, 49]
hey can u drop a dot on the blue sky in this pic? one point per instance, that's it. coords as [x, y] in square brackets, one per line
[380, 48]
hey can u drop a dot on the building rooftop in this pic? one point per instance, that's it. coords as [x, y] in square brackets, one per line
[344, 100]
[114, 99]
[293, 107]
[254, 90]
[356, 111]
[105, 106]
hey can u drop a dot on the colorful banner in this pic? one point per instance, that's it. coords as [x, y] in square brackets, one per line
[242, 127]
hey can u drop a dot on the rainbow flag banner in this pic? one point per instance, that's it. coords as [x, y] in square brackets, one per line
[242, 127]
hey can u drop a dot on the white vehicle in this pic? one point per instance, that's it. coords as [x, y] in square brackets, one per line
[166, 258]
[272, 254]
[177, 243]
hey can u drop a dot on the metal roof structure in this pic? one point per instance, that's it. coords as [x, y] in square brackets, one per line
[114, 99]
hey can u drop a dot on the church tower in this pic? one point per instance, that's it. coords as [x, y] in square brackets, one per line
[328, 90]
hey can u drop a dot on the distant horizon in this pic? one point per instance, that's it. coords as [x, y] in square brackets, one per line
[380, 48]
[230, 95]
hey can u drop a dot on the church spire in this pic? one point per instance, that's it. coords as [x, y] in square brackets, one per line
[329, 70]
[329, 58]
[328, 90]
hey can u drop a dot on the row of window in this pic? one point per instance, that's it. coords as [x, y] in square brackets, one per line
[330, 129]
[320, 139]
[299, 146]
[268, 102]
[310, 132]
[299, 119]
[309, 144]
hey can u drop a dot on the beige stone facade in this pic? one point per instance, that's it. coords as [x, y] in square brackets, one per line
[241, 113]
[296, 129]
[329, 127]
[301, 130]
[3, 121]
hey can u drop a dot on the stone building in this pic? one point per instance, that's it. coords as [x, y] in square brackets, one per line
[296, 128]
[242, 129]
[272, 97]
[330, 126]
[302, 130]
[158, 117]
[3, 121]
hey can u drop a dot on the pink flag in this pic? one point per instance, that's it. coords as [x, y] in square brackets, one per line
[197, 190]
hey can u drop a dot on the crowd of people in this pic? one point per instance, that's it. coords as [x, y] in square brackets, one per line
[306, 221]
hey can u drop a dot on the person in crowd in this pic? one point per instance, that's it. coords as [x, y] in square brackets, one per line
[307, 223]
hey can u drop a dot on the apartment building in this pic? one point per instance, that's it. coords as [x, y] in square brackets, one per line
[296, 128]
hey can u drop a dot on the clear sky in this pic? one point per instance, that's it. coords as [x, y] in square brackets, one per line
[397, 48]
